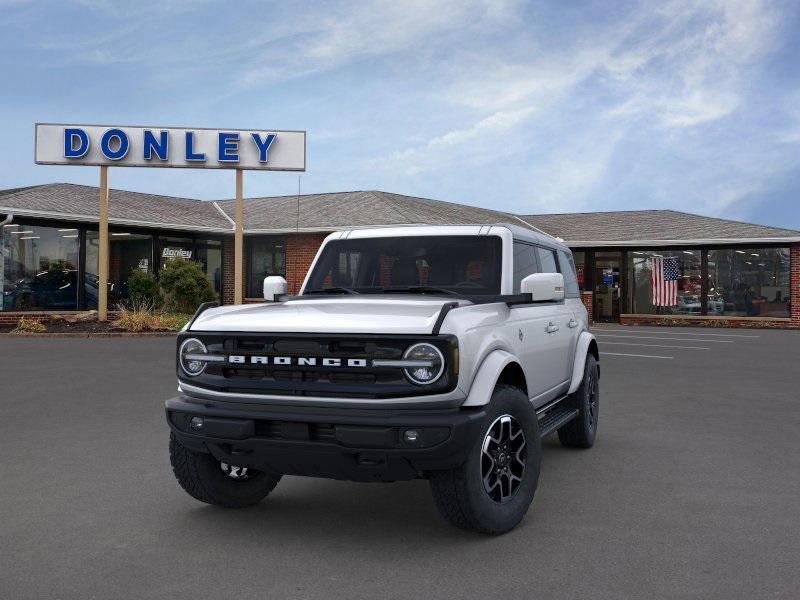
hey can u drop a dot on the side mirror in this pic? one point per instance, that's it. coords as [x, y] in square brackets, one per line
[544, 286]
[274, 286]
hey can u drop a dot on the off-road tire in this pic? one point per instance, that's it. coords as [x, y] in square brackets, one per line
[459, 493]
[202, 478]
[582, 430]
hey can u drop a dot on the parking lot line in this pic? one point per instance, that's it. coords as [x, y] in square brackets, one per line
[636, 355]
[653, 345]
[652, 337]
[734, 335]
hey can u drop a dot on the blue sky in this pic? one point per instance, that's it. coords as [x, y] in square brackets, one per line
[521, 106]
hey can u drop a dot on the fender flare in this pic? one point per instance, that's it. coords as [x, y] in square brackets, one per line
[585, 340]
[484, 382]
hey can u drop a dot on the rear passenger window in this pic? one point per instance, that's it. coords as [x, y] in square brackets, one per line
[568, 270]
[547, 260]
[524, 263]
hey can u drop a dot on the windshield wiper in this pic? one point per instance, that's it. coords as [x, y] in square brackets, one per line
[420, 289]
[331, 290]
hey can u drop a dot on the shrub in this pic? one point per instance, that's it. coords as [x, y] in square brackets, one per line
[26, 325]
[184, 286]
[143, 289]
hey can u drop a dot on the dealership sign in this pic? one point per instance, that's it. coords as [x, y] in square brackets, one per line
[177, 253]
[193, 148]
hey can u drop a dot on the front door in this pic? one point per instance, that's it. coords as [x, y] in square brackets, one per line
[544, 343]
[607, 285]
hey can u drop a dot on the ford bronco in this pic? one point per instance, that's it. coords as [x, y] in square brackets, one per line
[437, 352]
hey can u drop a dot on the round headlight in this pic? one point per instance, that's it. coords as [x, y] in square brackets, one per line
[425, 353]
[188, 352]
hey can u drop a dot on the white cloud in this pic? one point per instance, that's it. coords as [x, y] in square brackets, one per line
[530, 107]
[670, 70]
[693, 68]
[566, 178]
[475, 144]
[372, 28]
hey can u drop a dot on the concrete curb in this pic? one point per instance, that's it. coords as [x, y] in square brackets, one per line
[88, 334]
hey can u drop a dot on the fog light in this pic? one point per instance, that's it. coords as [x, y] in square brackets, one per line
[411, 436]
[196, 424]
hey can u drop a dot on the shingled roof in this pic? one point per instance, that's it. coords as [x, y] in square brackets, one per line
[328, 212]
[357, 209]
[635, 227]
[79, 203]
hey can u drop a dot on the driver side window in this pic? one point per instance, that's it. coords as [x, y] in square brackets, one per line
[525, 263]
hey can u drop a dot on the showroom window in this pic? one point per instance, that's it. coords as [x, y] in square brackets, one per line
[748, 282]
[205, 252]
[265, 256]
[128, 252]
[665, 282]
[176, 247]
[39, 267]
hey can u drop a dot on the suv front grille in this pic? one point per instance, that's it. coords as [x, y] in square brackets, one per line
[317, 380]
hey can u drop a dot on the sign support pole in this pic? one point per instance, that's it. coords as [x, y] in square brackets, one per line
[238, 255]
[102, 255]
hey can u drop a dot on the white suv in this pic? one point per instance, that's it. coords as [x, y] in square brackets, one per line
[443, 353]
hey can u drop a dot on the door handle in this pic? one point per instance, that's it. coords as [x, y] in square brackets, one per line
[551, 327]
[572, 324]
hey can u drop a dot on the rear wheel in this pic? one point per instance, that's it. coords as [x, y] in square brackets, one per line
[582, 430]
[492, 490]
[208, 480]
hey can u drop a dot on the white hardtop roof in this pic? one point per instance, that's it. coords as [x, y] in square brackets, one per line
[519, 233]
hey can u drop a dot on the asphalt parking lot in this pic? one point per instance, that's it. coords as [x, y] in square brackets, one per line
[690, 492]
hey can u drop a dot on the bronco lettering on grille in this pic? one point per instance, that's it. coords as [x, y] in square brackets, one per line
[300, 361]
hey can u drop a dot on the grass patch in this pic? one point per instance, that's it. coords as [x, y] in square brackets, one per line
[26, 325]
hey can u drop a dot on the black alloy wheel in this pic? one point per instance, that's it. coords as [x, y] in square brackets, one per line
[503, 457]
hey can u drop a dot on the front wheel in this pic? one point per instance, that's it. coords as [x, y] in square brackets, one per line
[208, 480]
[492, 490]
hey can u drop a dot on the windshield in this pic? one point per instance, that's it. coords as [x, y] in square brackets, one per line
[468, 265]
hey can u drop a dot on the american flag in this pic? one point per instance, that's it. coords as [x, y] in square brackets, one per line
[664, 279]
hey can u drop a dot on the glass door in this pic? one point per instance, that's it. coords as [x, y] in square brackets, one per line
[209, 255]
[607, 285]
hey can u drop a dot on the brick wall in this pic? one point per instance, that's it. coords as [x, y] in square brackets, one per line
[301, 248]
[586, 298]
[228, 264]
[11, 318]
[300, 251]
[794, 284]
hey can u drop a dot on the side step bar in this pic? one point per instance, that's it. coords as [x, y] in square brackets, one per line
[554, 415]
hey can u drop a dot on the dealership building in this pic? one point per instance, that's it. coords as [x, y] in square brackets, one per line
[726, 272]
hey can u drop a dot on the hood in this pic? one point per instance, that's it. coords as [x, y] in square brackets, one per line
[332, 314]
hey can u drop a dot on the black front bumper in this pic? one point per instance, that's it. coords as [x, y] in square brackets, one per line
[357, 445]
